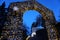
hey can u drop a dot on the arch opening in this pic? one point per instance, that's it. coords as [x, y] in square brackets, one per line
[32, 19]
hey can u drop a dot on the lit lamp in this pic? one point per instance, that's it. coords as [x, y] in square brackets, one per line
[15, 8]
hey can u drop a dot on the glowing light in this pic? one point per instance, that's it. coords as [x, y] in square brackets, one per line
[15, 8]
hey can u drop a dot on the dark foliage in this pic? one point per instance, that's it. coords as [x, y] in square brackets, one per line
[2, 16]
[58, 28]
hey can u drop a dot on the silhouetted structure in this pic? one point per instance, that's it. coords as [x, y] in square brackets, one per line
[41, 35]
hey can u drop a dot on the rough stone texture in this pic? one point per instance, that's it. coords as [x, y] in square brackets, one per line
[11, 29]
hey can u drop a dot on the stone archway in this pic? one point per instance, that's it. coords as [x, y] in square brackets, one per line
[45, 12]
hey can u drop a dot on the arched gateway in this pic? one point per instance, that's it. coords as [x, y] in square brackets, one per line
[19, 8]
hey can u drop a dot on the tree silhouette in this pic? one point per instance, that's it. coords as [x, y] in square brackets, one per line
[2, 16]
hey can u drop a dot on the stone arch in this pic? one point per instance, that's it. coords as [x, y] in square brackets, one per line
[45, 12]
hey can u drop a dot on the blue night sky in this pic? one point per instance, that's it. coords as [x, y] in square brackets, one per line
[51, 4]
